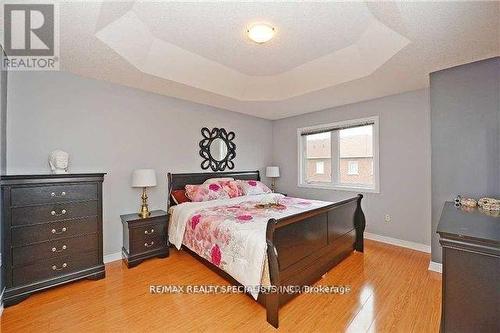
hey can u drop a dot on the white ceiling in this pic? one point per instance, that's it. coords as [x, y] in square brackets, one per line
[323, 55]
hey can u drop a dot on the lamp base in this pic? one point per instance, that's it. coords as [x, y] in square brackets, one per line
[144, 212]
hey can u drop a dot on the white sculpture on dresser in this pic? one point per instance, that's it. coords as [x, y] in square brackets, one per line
[58, 161]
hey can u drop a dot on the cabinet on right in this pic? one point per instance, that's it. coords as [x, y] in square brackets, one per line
[471, 270]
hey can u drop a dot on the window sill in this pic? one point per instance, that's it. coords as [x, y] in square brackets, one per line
[358, 189]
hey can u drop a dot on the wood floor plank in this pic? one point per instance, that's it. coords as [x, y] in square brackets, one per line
[391, 291]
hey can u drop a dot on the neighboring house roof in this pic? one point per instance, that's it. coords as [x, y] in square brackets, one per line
[350, 147]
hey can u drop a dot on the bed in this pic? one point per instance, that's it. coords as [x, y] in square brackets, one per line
[300, 243]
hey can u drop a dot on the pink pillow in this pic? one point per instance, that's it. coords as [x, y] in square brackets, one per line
[251, 187]
[206, 192]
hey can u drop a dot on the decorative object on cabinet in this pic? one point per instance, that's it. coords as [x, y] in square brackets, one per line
[144, 238]
[58, 162]
[490, 204]
[52, 231]
[144, 178]
[471, 267]
[273, 172]
[217, 149]
[468, 202]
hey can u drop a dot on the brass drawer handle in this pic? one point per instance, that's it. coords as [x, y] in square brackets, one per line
[149, 232]
[55, 268]
[63, 212]
[150, 244]
[64, 247]
[63, 229]
[54, 195]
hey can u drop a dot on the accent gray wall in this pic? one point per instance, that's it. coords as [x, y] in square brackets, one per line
[114, 129]
[405, 191]
[465, 118]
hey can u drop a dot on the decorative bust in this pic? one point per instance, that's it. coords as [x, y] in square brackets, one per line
[58, 161]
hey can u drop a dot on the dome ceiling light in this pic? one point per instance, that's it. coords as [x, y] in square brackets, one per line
[261, 33]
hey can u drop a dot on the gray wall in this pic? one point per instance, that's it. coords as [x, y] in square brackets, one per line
[465, 135]
[404, 162]
[114, 129]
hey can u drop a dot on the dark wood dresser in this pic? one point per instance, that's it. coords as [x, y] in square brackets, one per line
[52, 231]
[144, 238]
[471, 270]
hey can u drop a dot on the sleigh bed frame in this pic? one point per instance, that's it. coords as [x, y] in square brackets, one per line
[301, 248]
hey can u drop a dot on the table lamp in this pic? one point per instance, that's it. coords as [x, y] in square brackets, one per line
[273, 172]
[144, 178]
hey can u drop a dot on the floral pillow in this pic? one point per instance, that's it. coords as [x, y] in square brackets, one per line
[252, 187]
[232, 188]
[206, 192]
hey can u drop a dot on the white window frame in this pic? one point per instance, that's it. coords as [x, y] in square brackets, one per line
[334, 184]
[353, 163]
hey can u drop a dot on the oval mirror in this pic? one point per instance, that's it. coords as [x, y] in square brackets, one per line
[218, 149]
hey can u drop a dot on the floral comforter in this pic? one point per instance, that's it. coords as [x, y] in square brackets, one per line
[231, 233]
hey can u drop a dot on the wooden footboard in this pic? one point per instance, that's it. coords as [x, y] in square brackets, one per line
[303, 247]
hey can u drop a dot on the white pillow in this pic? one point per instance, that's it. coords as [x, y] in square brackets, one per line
[216, 180]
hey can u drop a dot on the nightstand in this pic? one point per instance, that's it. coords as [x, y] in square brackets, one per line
[144, 238]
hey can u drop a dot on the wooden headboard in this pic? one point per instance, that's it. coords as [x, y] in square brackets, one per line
[177, 181]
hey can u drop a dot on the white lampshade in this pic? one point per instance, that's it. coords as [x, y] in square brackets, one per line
[272, 172]
[143, 178]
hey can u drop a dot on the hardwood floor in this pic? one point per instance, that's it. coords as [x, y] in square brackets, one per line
[391, 291]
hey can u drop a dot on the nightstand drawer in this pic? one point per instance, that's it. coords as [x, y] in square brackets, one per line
[24, 196]
[147, 243]
[154, 229]
[53, 212]
[26, 235]
[52, 268]
[54, 249]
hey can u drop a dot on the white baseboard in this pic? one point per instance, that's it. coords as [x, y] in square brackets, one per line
[112, 257]
[435, 267]
[398, 242]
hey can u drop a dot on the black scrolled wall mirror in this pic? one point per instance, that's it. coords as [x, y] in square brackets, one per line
[217, 149]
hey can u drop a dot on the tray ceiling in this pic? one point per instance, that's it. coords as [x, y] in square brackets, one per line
[323, 55]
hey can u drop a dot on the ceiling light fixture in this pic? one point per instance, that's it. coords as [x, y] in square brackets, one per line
[260, 33]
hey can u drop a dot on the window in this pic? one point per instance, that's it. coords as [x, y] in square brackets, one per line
[341, 155]
[320, 167]
[353, 168]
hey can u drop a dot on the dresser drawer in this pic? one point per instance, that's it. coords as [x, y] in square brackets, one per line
[52, 268]
[24, 196]
[147, 243]
[54, 249]
[53, 231]
[53, 212]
